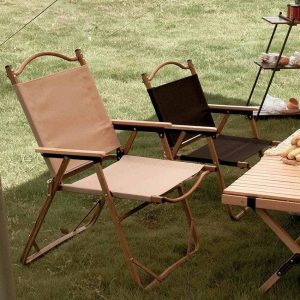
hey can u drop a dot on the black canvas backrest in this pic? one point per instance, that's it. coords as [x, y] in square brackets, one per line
[181, 102]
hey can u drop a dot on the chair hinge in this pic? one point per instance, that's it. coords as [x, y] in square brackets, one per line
[251, 202]
[293, 261]
[161, 133]
[120, 153]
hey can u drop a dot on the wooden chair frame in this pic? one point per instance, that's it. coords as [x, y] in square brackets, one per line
[56, 184]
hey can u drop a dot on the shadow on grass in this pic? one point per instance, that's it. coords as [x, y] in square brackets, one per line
[109, 276]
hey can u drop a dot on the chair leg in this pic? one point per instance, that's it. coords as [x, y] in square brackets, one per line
[291, 262]
[192, 237]
[117, 222]
[26, 258]
[215, 159]
[131, 261]
[53, 186]
[193, 234]
[269, 283]
[283, 235]
[239, 215]
[123, 241]
[254, 128]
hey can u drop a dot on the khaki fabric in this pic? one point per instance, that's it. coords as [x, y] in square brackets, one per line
[138, 178]
[65, 110]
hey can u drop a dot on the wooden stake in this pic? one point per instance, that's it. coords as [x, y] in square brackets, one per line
[7, 290]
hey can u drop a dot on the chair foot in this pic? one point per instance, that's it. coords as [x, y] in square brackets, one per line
[269, 283]
[238, 216]
[26, 258]
[54, 244]
[291, 262]
[159, 278]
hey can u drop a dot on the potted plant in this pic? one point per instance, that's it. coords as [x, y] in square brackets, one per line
[294, 11]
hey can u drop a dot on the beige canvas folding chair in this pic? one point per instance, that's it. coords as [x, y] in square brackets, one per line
[270, 186]
[7, 289]
[74, 133]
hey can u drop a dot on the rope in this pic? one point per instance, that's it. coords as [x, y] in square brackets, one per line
[109, 35]
[21, 28]
[127, 24]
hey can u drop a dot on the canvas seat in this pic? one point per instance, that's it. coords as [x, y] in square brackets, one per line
[230, 149]
[138, 178]
[270, 186]
[74, 133]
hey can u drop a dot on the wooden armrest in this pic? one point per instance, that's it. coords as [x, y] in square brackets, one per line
[202, 129]
[237, 109]
[160, 199]
[152, 126]
[70, 152]
[133, 123]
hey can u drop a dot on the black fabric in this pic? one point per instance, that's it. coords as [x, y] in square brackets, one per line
[230, 150]
[181, 102]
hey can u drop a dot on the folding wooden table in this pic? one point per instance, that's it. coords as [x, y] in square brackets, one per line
[270, 185]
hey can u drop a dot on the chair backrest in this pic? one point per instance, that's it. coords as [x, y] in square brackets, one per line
[180, 102]
[65, 110]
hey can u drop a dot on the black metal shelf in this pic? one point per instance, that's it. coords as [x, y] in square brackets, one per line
[267, 66]
[279, 115]
[279, 20]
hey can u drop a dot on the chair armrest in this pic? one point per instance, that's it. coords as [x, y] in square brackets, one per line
[233, 109]
[71, 153]
[151, 126]
[160, 199]
[197, 129]
[158, 126]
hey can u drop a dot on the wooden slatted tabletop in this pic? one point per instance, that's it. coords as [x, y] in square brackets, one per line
[270, 179]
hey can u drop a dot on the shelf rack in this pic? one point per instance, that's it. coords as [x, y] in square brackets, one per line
[279, 20]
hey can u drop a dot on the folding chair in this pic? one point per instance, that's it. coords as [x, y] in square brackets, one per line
[74, 133]
[7, 289]
[270, 186]
[183, 102]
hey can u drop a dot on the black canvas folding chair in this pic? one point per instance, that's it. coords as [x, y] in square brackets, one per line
[183, 102]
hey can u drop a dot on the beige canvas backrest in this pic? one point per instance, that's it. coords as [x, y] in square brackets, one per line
[65, 110]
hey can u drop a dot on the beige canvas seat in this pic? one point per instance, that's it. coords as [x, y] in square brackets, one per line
[74, 133]
[270, 185]
[137, 178]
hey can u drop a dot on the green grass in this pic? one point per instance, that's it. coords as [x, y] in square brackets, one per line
[121, 40]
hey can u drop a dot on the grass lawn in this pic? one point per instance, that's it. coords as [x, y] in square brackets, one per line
[120, 40]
